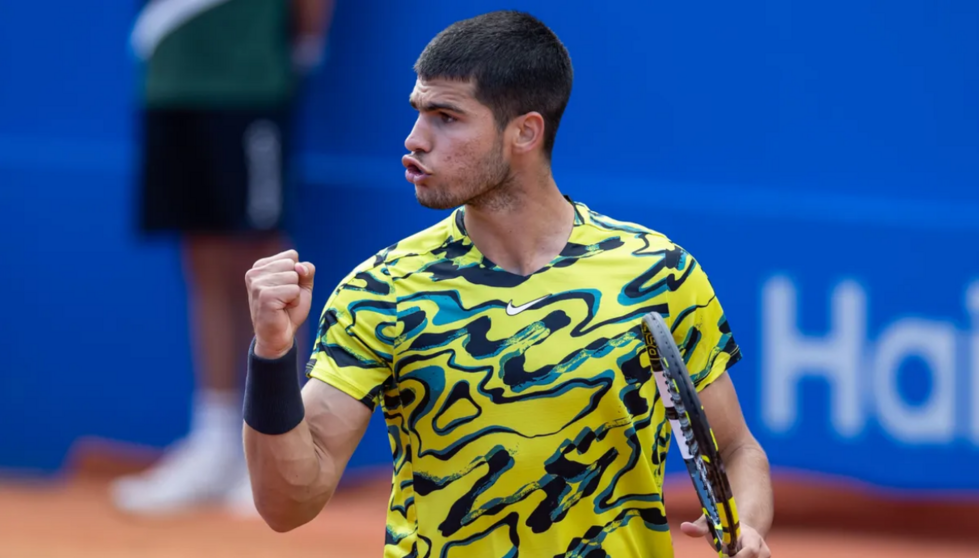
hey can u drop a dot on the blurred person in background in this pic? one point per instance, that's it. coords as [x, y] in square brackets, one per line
[219, 85]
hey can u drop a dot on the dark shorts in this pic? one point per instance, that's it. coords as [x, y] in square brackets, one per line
[213, 171]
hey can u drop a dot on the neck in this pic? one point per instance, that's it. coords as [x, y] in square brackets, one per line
[525, 229]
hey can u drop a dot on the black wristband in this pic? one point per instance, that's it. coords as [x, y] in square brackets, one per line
[273, 398]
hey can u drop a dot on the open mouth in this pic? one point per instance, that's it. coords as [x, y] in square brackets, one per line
[413, 172]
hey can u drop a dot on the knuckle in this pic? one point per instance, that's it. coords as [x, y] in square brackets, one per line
[265, 294]
[270, 264]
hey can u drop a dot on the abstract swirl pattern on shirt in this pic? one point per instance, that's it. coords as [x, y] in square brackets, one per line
[521, 411]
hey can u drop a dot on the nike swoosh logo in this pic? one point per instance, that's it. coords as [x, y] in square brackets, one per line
[512, 310]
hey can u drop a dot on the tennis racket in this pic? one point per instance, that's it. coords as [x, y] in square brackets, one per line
[693, 434]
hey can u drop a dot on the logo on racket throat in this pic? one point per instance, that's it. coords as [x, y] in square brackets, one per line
[655, 362]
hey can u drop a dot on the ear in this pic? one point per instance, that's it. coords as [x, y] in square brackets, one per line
[528, 132]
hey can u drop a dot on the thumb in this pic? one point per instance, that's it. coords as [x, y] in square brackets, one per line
[696, 529]
[306, 272]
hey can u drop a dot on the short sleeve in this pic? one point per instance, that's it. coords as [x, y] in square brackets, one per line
[699, 326]
[354, 349]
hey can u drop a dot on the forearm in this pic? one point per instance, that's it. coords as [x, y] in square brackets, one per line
[297, 438]
[749, 473]
[292, 479]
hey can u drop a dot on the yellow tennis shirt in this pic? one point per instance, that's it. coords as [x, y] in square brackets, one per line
[521, 411]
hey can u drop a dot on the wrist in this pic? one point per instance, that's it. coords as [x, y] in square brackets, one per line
[273, 397]
[271, 351]
[750, 521]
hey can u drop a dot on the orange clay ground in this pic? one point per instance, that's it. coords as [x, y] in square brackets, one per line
[72, 518]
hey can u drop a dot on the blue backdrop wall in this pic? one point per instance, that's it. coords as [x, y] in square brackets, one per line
[820, 159]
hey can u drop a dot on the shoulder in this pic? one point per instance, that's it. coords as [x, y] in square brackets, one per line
[410, 252]
[401, 258]
[650, 249]
[603, 224]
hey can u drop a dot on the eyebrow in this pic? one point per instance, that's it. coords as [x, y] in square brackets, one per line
[432, 107]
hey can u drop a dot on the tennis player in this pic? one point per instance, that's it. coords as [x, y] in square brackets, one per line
[503, 344]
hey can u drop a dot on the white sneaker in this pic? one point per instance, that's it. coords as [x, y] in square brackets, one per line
[203, 467]
[240, 501]
[193, 471]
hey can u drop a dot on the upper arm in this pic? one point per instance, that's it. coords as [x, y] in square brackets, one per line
[351, 362]
[699, 325]
[723, 410]
[703, 334]
[336, 423]
[354, 350]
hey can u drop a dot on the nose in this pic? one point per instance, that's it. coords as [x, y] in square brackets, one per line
[418, 140]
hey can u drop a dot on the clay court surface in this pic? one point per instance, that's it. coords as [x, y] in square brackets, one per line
[72, 518]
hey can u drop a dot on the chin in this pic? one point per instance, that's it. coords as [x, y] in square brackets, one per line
[427, 199]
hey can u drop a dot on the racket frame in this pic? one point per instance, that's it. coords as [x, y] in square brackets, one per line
[677, 391]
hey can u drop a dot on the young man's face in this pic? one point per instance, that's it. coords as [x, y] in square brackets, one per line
[455, 148]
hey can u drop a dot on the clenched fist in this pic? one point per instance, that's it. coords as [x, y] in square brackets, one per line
[280, 290]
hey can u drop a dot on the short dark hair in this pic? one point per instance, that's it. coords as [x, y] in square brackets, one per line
[518, 65]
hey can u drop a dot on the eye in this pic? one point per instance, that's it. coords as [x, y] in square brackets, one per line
[447, 118]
